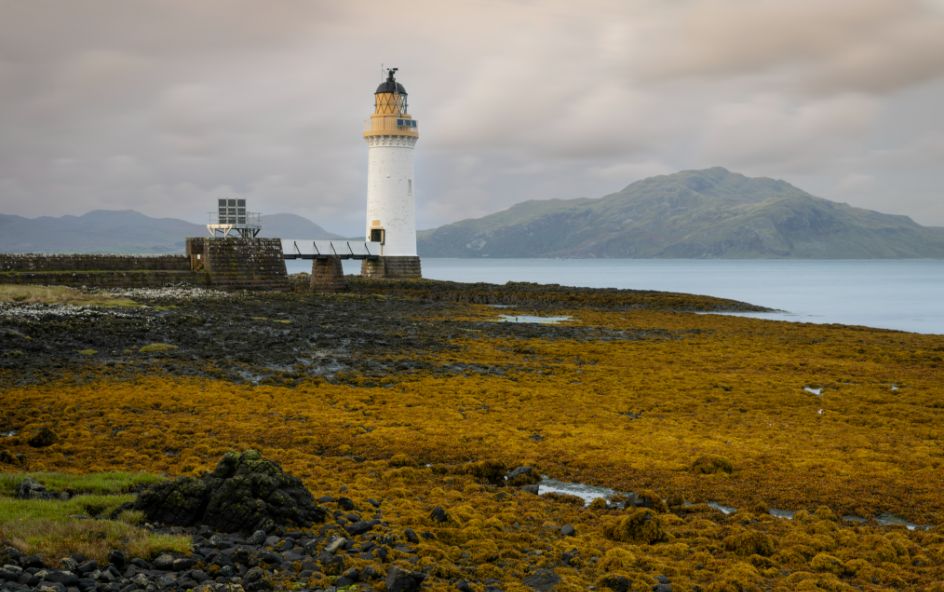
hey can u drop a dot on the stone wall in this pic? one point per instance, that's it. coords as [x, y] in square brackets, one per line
[239, 263]
[87, 262]
[227, 263]
[392, 267]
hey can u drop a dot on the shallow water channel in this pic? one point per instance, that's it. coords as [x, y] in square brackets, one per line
[532, 319]
[588, 493]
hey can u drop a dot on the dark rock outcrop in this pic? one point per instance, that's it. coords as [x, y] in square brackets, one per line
[31, 489]
[42, 438]
[244, 493]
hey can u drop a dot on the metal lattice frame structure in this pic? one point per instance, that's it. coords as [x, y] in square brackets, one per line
[232, 218]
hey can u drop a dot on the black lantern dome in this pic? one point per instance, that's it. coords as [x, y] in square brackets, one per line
[390, 85]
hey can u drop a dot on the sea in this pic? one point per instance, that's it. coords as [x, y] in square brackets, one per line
[899, 294]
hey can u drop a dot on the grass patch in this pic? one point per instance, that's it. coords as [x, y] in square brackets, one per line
[81, 524]
[91, 538]
[154, 348]
[13, 510]
[59, 295]
[94, 483]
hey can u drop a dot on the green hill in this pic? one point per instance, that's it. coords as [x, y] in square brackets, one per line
[711, 213]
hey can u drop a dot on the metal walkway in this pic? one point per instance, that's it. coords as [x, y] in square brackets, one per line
[327, 249]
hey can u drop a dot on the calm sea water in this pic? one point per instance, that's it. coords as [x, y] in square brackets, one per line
[904, 294]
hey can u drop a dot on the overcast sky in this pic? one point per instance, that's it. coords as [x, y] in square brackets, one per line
[163, 106]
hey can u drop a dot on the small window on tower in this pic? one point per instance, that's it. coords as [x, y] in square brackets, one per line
[377, 235]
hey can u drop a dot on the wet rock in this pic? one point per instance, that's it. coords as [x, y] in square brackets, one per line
[360, 527]
[257, 538]
[401, 580]
[522, 476]
[164, 562]
[183, 564]
[244, 493]
[336, 544]
[31, 561]
[10, 572]
[198, 575]
[543, 580]
[410, 535]
[66, 578]
[140, 580]
[617, 583]
[42, 438]
[439, 515]
[117, 558]
[30, 489]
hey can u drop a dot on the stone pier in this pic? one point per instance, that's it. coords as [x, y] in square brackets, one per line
[392, 267]
[327, 274]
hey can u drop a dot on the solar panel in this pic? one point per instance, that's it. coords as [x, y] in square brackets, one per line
[324, 247]
[359, 249]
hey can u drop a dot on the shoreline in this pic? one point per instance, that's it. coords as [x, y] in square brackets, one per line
[412, 393]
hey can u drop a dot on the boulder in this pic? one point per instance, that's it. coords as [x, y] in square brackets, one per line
[244, 493]
[31, 489]
[401, 580]
[543, 580]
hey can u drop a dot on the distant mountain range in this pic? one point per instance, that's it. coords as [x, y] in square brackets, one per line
[127, 231]
[710, 213]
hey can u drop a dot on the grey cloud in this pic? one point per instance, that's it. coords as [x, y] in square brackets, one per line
[163, 106]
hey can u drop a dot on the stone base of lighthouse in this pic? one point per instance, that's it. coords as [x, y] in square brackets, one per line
[392, 268]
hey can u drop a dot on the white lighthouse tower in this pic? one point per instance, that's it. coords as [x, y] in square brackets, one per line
[391, 209]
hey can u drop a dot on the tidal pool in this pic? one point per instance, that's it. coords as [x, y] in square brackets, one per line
[533, 319]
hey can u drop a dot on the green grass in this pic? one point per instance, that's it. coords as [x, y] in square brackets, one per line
[28, 294]
[12, 510]
[53, 539]
[81, 524]
[98, 483]
[152, 348]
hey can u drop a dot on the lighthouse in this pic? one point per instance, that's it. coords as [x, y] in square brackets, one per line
[391, 136]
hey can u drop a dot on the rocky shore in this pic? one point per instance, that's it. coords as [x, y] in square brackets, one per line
[244, 492]
[408, 424]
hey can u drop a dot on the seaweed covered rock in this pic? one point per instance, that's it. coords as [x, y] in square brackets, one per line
[244, 493]
[639, 526]
[42, 438]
